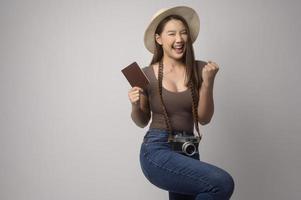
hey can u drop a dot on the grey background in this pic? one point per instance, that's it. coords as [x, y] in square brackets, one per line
[66, 131]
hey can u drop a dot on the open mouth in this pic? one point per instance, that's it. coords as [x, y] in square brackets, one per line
[179, 48]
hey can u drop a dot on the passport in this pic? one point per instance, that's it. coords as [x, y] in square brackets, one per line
[135, 76]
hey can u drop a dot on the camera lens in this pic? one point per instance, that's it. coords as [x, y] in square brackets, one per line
[188, 148]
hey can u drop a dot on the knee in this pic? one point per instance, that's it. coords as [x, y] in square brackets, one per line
[224, 184]
[227, 185]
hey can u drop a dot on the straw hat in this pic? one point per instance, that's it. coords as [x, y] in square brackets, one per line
[187, 13]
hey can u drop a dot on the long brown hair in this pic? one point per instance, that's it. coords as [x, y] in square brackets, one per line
[193, 81]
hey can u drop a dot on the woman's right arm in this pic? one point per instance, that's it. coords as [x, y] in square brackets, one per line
[140, 107]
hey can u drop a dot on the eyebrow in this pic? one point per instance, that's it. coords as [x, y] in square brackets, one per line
[175, 31]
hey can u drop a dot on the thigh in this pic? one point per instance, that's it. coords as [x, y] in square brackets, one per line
[179, 174]
[178, 196]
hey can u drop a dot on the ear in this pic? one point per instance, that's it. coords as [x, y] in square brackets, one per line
[158, 39]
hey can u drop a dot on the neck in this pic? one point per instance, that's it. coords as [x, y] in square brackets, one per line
[172, 63]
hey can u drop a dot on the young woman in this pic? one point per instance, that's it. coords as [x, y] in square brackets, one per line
[179, 96]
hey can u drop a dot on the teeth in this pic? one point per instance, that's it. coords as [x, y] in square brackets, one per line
[179, 47]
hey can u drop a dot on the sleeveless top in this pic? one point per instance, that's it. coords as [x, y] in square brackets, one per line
[178, 104]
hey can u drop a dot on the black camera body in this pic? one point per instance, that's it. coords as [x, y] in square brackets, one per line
[185, 144]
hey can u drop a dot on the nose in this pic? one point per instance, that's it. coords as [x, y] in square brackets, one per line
[179, 38]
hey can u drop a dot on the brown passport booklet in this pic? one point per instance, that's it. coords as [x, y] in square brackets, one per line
[135, 76]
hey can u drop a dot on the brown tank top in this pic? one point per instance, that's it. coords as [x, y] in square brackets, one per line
[178, 105]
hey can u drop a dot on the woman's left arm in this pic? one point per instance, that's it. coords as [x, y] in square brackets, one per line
[206, 104]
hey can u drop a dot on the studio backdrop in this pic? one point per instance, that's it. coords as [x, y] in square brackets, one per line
[65, 125]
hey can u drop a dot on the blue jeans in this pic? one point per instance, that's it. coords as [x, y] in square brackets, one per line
[184, 177]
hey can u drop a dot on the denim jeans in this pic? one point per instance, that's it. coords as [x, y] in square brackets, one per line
[184, 177]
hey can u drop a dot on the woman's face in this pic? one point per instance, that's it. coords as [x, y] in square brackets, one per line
[173, 39]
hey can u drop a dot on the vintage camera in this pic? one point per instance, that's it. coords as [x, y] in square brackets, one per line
[185, 144]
